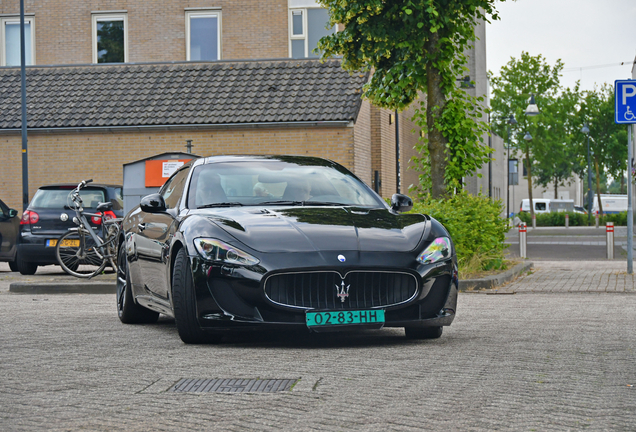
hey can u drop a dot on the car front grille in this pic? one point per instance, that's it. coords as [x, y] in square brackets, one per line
[327, 290]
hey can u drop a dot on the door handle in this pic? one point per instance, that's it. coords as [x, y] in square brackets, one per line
[141, 226]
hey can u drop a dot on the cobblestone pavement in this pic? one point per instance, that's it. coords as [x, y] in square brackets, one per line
[574, 276]
[562, 361]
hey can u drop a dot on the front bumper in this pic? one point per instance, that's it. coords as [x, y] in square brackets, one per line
[234, 298]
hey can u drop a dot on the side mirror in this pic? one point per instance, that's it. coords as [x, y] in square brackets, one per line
[153, 203]
[12, 213]
[104, 206]
[401, 203]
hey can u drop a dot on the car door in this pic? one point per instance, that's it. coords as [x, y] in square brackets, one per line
[154, 232]
[8, 233]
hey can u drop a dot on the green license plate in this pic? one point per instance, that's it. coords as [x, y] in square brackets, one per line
[344, 318]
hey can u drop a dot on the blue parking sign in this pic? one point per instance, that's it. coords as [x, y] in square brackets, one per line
[625, 101]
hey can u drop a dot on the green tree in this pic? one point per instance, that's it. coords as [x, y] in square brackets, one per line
[415, 47]
[555, 141]
[608, 140]
[511, 90]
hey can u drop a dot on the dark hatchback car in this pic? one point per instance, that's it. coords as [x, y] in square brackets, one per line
[9, 227]
[282, 242]
[48, 216]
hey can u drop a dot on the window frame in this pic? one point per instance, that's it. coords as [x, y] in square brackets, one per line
[30, 18]
[200, 13]
[305, 35]
[108, 16]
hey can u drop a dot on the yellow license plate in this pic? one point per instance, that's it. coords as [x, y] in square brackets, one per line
[65, 243]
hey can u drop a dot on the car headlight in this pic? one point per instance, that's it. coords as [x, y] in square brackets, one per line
[438, 250]
[216, 250]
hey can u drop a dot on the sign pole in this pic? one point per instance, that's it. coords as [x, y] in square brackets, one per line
[625, 113]
[630, 211]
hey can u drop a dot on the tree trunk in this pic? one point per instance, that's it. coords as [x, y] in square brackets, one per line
[527, 162]
[598, 188]
[556, 188]
[435, 104]
[622, 184]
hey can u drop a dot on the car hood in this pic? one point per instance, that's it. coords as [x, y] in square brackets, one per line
[303, 229]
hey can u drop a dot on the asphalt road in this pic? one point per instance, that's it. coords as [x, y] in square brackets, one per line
[568, 244]
[558, 354]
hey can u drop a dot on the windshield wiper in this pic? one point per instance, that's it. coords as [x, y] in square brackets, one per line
[325, 203]
[224, 204]
[281, 202]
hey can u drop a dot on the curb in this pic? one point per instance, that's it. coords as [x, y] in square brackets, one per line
[63, 288]
[492, 281]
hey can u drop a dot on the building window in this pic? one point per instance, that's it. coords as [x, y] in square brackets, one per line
[11, 41]
[306, 27]
[203, 35]
[110, 37]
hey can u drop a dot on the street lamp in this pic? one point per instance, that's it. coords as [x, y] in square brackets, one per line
[511, 122]
[532, 108]
[586, 131]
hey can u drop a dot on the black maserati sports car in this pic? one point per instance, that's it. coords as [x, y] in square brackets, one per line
[274, 242]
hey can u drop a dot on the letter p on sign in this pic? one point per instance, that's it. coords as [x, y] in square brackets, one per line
[629, 90]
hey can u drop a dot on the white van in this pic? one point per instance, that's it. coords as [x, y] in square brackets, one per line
[546, 205]
[612, 203]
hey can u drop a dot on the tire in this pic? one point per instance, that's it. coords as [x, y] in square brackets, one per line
[80, 253]
[184, 303]
[423, 332]
[13, 266]
[25, 267]
[128, 311]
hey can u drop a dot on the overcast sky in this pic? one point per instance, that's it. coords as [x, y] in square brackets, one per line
[595, 35]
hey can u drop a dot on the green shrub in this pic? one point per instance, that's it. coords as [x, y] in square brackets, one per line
[475, 225]
[576, 219]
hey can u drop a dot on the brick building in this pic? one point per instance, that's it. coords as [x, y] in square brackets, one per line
[89, 128]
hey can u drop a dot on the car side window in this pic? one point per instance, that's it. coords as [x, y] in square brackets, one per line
[173, 189]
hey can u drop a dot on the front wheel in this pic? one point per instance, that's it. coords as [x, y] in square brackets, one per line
[423, 332]
[128, 311]
[75, 249]
[13, 266]
[184, 303]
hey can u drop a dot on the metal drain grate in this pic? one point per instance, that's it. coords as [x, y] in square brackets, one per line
[232, 385]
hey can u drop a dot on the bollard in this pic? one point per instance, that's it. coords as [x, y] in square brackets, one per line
[596, 220]
[609, 232]
[523, 230]
[534, 221]
[567, 220]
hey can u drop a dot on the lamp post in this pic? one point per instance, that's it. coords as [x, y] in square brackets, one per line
[511, 122]
[586, 131]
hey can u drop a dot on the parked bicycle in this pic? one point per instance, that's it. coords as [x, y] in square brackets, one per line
[83, 251]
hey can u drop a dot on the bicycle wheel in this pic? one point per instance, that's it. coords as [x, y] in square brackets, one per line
[76, 252]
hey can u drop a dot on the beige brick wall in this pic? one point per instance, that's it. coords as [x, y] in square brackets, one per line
[58, 157]
[156, 29]
[362, 148]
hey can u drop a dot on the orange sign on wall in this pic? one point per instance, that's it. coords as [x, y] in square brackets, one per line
[158, 171]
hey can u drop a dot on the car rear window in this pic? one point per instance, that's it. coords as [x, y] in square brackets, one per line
[58, 198]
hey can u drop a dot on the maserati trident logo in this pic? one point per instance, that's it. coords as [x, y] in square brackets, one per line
[342, 291]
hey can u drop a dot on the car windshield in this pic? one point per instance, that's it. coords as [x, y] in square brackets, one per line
[57, 198]
[276, 182]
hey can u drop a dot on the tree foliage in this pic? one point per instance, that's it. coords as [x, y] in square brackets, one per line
[415, 47]
[608, 140]
[511, 90]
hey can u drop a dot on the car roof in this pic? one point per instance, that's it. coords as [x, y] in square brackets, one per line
[254, 158]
